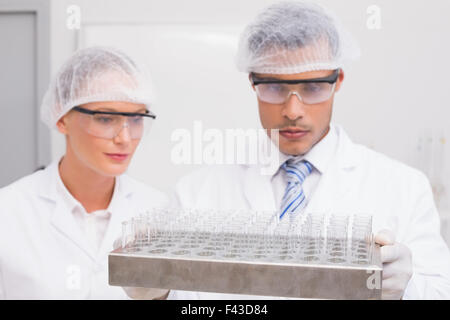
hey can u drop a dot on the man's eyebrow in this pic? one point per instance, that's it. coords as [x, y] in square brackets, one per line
[319, 79]
[264, 77]
[268, 78]
[277, 80]
[105, 109]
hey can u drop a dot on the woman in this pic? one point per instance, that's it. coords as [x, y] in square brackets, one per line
[59, 224]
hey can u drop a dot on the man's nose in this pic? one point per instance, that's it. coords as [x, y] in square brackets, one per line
[294, 107]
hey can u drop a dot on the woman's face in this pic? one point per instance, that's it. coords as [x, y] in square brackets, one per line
[106, 156]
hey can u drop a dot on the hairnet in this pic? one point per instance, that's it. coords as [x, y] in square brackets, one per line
[294, 37]
[92, 75]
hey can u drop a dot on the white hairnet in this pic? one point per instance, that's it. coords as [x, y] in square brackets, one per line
[294, 37]
[92, 75]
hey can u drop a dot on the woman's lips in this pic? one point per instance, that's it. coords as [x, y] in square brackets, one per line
[118, 156]
[293, 134]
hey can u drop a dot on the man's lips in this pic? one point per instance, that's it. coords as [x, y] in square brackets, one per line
[293, 133]
[118, 156]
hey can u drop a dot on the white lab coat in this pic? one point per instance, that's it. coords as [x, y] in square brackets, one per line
[43, 252]
[358, 180]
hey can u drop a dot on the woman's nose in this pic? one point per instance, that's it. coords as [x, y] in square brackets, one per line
[124, 135]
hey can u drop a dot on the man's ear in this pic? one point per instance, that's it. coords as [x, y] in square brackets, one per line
[339, 80]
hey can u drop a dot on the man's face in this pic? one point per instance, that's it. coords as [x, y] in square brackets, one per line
[300, 125]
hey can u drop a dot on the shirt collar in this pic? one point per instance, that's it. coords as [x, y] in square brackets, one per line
[320, 154]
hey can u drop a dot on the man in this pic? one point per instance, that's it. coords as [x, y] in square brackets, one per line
[294, 54]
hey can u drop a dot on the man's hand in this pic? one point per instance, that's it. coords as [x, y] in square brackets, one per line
[139, 293]
[397, 265]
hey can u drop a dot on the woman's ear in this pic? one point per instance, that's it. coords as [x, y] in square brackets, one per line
[250, 79]
[340, 80]
[62, 124]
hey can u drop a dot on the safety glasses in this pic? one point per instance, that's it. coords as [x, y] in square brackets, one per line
[309, 91]
[108, 124]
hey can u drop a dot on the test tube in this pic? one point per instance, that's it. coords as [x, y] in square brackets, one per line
[311, 238]
[138, 230]
[337, 238]
[126, 234]
[361, 242]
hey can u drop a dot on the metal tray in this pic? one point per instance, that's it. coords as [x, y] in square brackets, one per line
[251, 264]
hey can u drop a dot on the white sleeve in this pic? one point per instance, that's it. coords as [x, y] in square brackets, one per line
[194, 189]
[430, 253]
[184, 194]
[174, 200]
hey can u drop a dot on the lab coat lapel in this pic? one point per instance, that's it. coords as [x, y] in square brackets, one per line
[114, 230]
[332, 190]
[120, 211]
[61, 218]
[334, 187]
[64, 222]
[258, 189]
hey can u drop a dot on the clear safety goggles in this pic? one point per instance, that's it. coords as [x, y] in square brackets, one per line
[107, 125]
[309, 91]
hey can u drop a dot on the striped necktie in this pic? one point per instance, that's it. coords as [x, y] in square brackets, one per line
[294, 199]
